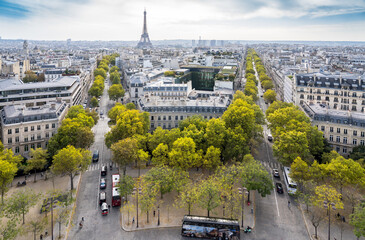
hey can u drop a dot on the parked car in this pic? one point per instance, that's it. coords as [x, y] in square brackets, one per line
[269, 137]
[279, 188]
[276, 173]
[102, 183]
[95, 155]
[102, 198]
[104, 170]
[104, 209]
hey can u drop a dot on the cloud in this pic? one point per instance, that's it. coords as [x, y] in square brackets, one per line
[166, 19]
[12, 10]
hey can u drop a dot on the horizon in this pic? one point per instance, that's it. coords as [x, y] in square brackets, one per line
[97, 20]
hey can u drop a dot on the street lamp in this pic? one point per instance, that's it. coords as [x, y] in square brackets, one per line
[158, 215]
[329, 206]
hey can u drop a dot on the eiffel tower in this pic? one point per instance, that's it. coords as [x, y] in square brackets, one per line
[144, 42]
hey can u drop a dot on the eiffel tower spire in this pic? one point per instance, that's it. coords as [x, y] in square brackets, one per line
[144, 42]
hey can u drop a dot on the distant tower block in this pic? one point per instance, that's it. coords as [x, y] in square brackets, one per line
[145, 39]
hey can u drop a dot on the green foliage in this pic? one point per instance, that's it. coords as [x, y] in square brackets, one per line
[270, 96]
[129, 124]
[197, 120]
[126, 186]
[183, 154]
[358, 152]
[115, 111]
[130, 106]
[114, 69]
[8, 168]
[125, 151]
[10, 230]
[70, 160]
[115, 77]
[30, 76]
[169, 73]
[37, 161]
[160, 155]
[212, 158]
[100, 72]
[209, 194]
[19, 203]
[116, 92]
[188, 197]
[94, 102]
[95, 91]
[357, 220]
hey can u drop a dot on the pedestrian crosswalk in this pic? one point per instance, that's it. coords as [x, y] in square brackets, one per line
[97, 166]
[272, 165]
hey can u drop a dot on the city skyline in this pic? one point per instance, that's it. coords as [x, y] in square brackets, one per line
[330, 20]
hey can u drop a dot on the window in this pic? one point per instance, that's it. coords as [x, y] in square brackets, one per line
[38, 127]
[362, 142]
[32, 146]
[26, 129]
[344, 150]
[159, 118]
[362, 134]
[32, 138]
[338, 130]
[338, 139]
[181, 117]
[16, 149]
[47, 126]
[354, 141]
[17, 139]
[32, 128]
[9, 131]
[53, 125]
[26, 139]
[16, 130]
[323, 128]
[26, 148]
[331, 129]
[47, 135]
[10, 140]
[337, 149]
[344, 139]
[355, 133]
[152, 118]
[331, 138]
[164, 118]
[345, 131]
[176, 117]
[39, 136]
[169, 119]
[39, 145]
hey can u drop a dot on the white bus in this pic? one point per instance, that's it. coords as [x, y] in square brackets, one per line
[290, 184]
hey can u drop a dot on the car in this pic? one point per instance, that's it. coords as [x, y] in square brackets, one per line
[276, 173]
[102, 183]
[104, 171]
[95, 155]
[104, 209]
[279, 188]
[269, 137]
[101, 112]
[102, 197]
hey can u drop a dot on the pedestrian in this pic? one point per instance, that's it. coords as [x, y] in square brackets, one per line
[288, 204]
[133, 220]
[46, 233]
[343, 218]
[154, 213]
[82, 219]
[252, 210]
[41, 237]
[109, 207]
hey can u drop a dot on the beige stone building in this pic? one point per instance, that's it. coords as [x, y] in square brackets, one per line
[23, 128]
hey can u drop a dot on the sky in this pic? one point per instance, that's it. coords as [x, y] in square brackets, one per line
[302, 20]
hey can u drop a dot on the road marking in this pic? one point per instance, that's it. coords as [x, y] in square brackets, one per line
[276, 199]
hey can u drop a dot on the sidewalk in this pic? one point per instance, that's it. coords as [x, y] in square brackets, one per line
[170, 216]
[42, 186]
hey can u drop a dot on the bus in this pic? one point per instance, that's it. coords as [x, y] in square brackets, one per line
[116, 200]
[210, 228]
[290, 184]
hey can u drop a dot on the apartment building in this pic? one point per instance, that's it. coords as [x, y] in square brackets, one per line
[336, 91]
[343, 129]
[23, 128]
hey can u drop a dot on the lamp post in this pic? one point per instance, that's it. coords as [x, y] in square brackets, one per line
[137, 200]
[158, 215]
[329, 206]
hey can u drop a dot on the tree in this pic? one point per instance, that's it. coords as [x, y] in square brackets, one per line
[215, 133]
[129, 123]
[104, 66]
[7, 173]
[130, 106]
[358, 152]
[37, 226]
[270, 96]
[116, 92]
[299, 171]
[20, 202]
[357, 220]
[267, 84]
[147, 197]
[62, 215]
[100, 72]
[126, 186]
[209, 194]
[115, 78]
[212, 158]
[188, 197]
[125, 151]
[169, 74]
[70, 160]
[160, 155]
[115, 111]
[255, 177]
[95, 91]
[183, 154]
[10, 230]
[30, 76]
[197, 120]
[231, 77]
[37, 161]
[327, 157]
[93, 114]
[114, 69]
[129, 208]
[290, 145]
[317, 215]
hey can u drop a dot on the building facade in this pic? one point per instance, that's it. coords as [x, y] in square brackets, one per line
[24, 128]
[343, 129]
[341, 92]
